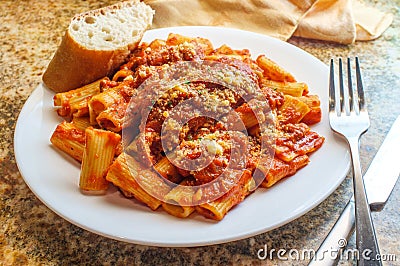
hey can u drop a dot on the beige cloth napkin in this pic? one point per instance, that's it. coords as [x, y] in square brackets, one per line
[342, 21]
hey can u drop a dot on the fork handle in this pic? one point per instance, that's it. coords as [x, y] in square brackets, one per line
[366, 242]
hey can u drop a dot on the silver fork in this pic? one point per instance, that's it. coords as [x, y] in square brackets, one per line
[348, 116]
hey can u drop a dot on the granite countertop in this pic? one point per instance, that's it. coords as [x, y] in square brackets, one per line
[31, 234]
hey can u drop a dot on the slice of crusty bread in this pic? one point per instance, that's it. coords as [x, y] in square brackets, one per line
[96, 43]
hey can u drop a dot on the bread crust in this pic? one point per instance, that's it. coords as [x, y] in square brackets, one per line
[74, 65]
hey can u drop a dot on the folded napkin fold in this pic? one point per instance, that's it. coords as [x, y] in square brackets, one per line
[342, 21]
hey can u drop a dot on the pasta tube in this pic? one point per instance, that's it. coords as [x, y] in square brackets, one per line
[166, 169]
[75, 102]
[113, 117]
[298, 143]
[103, 100]
[293, 110]
[179, 201]
[121, 175]
[70, 139]
[315, 114]
[253, 113]
[295, 89]
[272, 70]
[218, 208]
[97, 157]
[276, 169]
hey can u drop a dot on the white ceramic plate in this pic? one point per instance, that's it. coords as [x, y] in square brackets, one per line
[54, 177]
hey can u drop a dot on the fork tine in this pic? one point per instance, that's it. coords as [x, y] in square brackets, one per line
[350, 85]
[332, 94]
[341, 85]
[360, 89]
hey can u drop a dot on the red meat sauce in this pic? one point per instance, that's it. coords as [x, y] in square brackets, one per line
[202, 134]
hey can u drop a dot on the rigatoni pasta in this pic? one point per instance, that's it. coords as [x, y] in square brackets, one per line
[75, 102]
[179, 200]
[121, 175]
[70, 139]
[98, 155]
[295, 89]
[101, 101]
[249, 127]
[293, 110]
[273, 71]
[218, 208]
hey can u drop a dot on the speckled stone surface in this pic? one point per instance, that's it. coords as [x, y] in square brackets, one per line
[31, 234]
